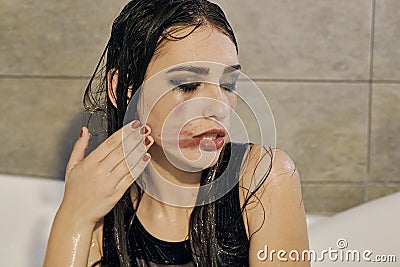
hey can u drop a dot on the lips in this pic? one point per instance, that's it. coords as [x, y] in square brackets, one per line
[218, 132]
[209, 140]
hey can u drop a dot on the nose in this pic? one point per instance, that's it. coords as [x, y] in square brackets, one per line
[216, 103]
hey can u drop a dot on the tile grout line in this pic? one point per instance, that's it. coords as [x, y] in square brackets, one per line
[325, 182]
[347, 182]
[256, 79]
[43, 77]
[325, 81]
[369, 100]
[271, 80]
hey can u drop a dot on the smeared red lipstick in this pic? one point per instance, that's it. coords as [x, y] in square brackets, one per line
[205, 144]
[219, 132]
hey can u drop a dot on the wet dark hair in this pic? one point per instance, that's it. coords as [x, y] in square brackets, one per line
[138, 33]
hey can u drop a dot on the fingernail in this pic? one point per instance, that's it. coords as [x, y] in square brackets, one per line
[135, 124]
[143, 130]
[146, 157]
[146, 142]
[81, 134]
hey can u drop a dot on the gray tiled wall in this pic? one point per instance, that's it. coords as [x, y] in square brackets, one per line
[329, 69]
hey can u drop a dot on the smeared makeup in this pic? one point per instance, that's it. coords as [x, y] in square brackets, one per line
[177, 117]
[189, 100]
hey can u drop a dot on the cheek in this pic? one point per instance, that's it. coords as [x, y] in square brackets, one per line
[172, 112]
[166, 115]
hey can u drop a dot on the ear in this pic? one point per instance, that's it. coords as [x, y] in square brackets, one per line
[112, 85]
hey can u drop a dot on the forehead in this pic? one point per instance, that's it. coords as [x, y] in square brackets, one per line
[204, 44]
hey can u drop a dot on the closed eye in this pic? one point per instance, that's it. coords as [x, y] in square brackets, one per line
[185, 87]
[192, 86]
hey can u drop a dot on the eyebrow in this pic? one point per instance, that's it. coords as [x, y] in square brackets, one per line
[204, 70]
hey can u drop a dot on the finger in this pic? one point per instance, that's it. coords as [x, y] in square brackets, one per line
[149, 140]
[130, 160]
[124, 184]
[112, 142]
[133, 155]
[133, 145]
[126, 165]
[126, 181]
[79, 149]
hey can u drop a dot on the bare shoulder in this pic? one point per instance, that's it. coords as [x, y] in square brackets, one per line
[276, 215]
[283, 169]
[272, 183]
[267, 167]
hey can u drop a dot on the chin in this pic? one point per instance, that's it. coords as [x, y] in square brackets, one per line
[192, 160]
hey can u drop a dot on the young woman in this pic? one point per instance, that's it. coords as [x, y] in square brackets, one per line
[108, 218]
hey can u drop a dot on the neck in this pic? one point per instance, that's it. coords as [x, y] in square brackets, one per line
[170, 189]
[170, 172]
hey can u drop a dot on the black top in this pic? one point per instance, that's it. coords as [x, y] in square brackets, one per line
[147, 250]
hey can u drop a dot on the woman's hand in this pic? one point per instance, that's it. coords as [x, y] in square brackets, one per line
[93, 185]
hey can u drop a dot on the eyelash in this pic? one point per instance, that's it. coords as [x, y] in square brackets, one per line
[190, 87]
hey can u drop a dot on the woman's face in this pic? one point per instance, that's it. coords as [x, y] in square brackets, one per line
[189, 90]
